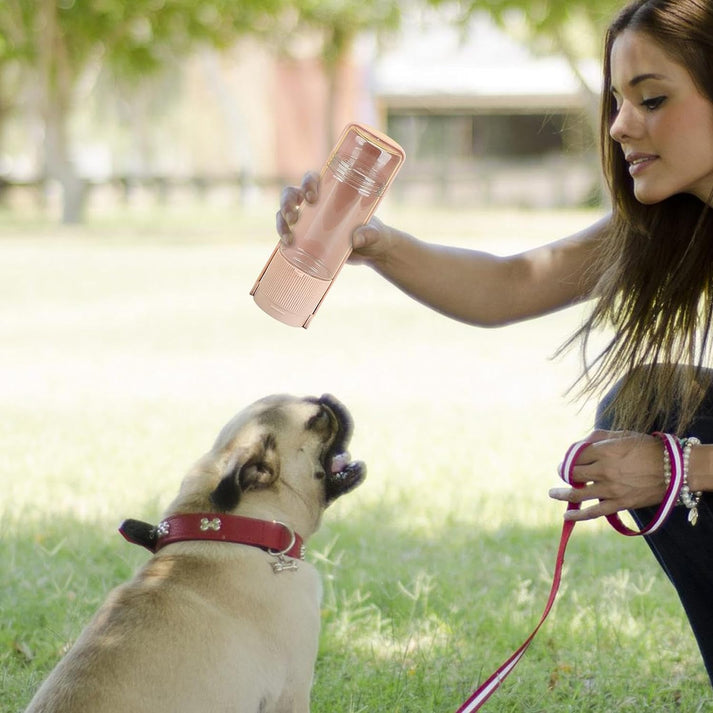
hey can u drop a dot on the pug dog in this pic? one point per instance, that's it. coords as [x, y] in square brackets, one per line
[225, 616]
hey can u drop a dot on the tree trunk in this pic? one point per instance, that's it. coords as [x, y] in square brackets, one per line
[58, 165]
[3, 115]
[234, 120]
[334, 51]
[56, 85]
[332, 72]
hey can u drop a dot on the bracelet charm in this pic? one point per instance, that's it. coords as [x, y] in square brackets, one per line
[686, 496]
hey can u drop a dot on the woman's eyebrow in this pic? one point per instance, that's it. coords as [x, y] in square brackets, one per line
[638, 79]
[643, 77]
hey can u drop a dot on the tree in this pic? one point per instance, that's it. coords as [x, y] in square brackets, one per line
[338, 23]
[14, 54]
[58, 41]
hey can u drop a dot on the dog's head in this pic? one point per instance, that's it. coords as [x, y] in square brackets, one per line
[282, 456]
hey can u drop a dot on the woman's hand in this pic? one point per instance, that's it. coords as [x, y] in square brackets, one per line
[370, 242]
[291, 201]
[622, 470]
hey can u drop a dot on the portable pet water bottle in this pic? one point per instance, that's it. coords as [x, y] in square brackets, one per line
[353, 181]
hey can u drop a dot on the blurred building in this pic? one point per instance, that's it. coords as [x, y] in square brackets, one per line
[482, 120]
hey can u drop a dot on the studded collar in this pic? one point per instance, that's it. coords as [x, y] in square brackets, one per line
[277, 538]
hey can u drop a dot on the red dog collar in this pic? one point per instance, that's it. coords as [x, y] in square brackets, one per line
[276, 537]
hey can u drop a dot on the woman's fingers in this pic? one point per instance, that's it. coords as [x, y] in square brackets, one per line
[310, 186]
[292, 199]
[578, 496]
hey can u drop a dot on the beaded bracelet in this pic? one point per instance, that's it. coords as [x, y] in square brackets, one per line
[686, 496]
[667, 467]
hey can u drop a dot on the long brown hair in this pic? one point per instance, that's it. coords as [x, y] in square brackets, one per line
[656, 264]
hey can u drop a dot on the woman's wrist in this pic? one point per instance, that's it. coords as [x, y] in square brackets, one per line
[392, 256]
[700, 468]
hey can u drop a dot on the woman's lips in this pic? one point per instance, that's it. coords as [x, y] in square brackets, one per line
[639, 162]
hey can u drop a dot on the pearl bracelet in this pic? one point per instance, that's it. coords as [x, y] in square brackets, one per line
[666, 468]
[686, 496]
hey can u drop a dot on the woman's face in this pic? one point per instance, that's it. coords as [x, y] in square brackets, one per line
[663, 124]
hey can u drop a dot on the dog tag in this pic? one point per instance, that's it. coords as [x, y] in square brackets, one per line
[281, 564]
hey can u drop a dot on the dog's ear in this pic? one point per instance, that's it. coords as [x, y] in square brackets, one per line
[252, 467]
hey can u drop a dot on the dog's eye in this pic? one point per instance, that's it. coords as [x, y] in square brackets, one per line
[319, 422]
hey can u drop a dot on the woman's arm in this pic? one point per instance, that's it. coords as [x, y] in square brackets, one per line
[700, 469]
[469, 285]
[480, 288]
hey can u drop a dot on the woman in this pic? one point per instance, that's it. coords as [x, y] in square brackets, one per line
[648, 267]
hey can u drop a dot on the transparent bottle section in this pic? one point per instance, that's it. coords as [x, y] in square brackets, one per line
[353, 181]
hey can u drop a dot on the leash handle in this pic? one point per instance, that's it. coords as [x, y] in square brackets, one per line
[675, 454]
[675, 457]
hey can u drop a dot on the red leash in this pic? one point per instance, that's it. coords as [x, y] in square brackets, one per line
[675, 456]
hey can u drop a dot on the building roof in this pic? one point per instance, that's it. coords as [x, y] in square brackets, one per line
[435, 65]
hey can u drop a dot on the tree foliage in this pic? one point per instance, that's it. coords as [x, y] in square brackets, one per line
[133, 37]
[547, 20]
[57, 41]
[336, 24]
[341, 21]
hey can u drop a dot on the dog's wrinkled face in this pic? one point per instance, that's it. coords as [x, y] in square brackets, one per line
[286, 449]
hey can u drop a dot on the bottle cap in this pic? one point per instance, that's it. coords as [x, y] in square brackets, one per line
[287, 293]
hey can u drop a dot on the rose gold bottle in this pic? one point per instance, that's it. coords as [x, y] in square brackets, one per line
[353, 180]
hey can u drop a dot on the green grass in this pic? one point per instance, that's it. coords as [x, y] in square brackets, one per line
[127, 343]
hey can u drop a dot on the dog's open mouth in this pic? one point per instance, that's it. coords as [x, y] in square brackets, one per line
[343, 474]
[344, 479]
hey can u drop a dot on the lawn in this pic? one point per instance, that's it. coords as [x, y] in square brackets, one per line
[125, 345]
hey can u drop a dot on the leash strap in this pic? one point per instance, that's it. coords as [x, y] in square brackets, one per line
[675, 454]
[481, 694]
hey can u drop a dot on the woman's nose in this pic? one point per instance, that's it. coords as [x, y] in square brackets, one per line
[626, 123]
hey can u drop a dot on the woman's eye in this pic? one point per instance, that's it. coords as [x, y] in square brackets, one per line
[653, 104]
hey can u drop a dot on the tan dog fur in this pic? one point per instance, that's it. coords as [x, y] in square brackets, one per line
[207, 627]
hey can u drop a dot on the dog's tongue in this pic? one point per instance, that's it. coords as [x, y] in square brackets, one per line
[339, 462]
